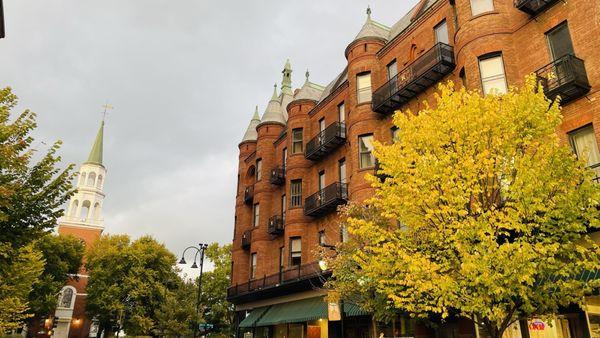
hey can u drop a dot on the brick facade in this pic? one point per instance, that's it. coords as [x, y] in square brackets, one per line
[519, 36]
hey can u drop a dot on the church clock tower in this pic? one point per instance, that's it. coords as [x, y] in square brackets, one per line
[83, 219]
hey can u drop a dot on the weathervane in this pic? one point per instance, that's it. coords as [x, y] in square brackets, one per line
[106, 107]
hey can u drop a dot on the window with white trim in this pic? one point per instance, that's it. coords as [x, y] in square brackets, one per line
[493, 79]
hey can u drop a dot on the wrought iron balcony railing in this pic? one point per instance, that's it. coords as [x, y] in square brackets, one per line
[286, 276]
[249, 194]
[246, 239]
[276, 225]
[533, 7]
[326, 199]
[565, 77]
[326, 141]
[277, 176]
[425, 71]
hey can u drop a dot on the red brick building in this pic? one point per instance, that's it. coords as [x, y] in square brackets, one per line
[83, 219]
[312, 147]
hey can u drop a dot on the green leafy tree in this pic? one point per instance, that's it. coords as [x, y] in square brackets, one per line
[16, 282]
[484, 213]
[62, 256]
[176, 313]
[31, 195]
[216, 309]
[128, 282]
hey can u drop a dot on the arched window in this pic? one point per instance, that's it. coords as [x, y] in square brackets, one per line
[251, 172]
[67, 297]
[74, 206]
[91, 179]
[96, 211]
[82, 179]
[85, 210]
[99, 182]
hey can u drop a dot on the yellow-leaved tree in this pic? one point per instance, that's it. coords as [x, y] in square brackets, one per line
[483, 213]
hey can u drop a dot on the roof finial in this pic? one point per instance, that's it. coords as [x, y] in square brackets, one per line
[368, 12]
[256, 116]
[274, 97]
[106, 106]
[307, 74]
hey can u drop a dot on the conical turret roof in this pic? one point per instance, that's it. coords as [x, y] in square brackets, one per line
[273, 111]
[251, 134]
[373, 29]
[95, 156]
[309, 91]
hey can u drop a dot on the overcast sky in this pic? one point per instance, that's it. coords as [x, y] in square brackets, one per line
[184, 77]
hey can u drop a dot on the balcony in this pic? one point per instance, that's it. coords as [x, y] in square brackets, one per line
[533, 7]
[276, 225]
[246, 239]
[326, 141]
[249, 194]
[326, 200]
[565, 77]
[277, 176]
[294, 279]
[422, 73]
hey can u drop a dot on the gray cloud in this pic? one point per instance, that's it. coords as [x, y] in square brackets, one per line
[184, 77]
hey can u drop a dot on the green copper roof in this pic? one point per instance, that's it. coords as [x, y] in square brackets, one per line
[96, 153]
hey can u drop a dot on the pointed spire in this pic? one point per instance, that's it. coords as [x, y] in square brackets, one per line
[96, 152]
[372, 28]
[286, 81]
[251, 134]
[368, 13]
[275, 95]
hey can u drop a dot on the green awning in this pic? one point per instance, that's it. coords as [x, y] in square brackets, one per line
[303, 311]
[253, 317]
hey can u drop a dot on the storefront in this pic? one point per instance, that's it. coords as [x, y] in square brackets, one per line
[306, 318]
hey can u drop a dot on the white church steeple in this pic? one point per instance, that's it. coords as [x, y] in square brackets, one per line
[85, 206]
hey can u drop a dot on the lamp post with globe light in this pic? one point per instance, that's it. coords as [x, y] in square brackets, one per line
[199, 250]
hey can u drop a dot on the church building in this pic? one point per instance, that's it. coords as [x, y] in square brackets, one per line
[83, 219]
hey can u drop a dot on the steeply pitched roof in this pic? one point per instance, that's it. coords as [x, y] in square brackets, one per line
[333, 85]
[273, 111]
[95, 156]
[410, 17]
[251, 134]
[372, 28]
[309, 91]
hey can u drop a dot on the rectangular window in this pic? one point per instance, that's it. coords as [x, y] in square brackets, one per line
[253, 265]
[321, 180]
[584, 144]
[283, 208]
[365, 151]
[363, 88]
[296, 193]
[481, 6]
[297, 141]
[255, 214]
[284, 158]
[441, 32]
[493, 79]
[322, 237]
[395, 132]
[281, 258]
[258, 169]
[559, 41]
[295, 251]
[322, 125]
[392, 70]
[342, 170]
[237, 187]
[342, 112]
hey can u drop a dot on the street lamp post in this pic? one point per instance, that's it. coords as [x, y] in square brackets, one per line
[324, 267]
[199, 250]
